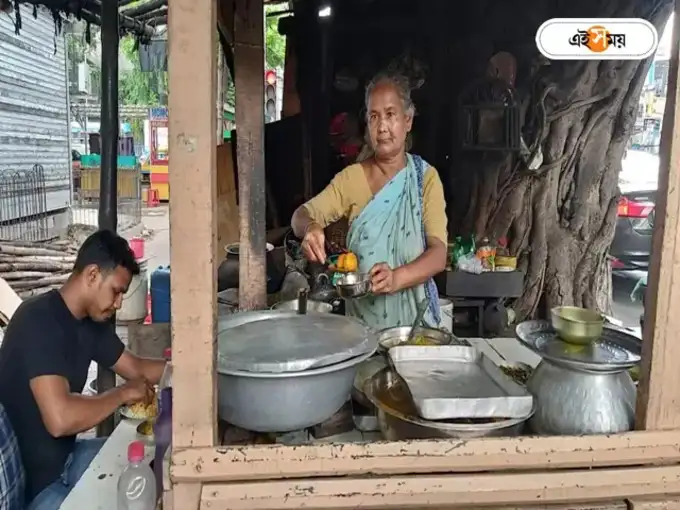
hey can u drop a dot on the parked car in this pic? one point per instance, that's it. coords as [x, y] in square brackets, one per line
[638, 181]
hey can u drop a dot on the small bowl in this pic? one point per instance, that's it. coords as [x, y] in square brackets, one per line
[576, 325]
[353, 285]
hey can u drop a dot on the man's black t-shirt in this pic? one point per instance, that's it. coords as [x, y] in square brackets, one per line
[43, 338]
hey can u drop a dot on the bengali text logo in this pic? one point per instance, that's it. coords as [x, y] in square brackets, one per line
[597, 39]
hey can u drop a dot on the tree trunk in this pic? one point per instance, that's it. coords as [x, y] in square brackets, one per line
[560, 218]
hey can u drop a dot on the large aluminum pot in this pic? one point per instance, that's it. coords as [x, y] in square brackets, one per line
[571, 402]
[283, 402]
[399, 420]
[312, 306]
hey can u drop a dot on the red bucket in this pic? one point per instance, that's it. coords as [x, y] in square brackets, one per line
[137, 247]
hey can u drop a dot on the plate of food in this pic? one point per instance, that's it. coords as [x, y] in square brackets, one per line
[140, 411]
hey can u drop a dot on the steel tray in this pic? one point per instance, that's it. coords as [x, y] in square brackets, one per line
[615, 351]
[454, 381]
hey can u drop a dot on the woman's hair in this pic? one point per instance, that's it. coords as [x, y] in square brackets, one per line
[401, 85]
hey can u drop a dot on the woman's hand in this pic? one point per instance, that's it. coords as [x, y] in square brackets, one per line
[384, 280]
[314, 243]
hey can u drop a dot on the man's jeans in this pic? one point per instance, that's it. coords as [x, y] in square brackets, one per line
[77, 463]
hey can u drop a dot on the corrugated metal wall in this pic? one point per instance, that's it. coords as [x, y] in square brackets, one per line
[33, 103]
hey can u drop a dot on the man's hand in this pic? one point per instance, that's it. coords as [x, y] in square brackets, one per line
[137, 390]
[384, 280]
[314, 243]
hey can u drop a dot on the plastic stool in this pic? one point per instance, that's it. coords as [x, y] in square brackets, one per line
[152, 198]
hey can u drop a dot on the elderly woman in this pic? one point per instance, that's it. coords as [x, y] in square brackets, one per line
[394, 202]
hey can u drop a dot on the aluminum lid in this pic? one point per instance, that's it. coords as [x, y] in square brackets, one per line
[616, 350]
[274, 341]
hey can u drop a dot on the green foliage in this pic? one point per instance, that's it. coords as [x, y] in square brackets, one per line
[136, 87]
[150, 88]
[275, 49]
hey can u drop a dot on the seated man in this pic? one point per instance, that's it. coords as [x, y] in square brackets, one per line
[44, 361]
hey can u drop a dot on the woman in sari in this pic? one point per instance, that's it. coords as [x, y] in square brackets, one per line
[394, 202]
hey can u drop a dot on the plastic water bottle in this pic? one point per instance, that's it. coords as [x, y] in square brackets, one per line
[162, 429]
[137, 484]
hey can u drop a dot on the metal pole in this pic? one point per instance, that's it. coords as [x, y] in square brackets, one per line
[69, 132]
[108, 185]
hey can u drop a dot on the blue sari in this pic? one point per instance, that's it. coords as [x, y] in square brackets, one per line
[390, 229]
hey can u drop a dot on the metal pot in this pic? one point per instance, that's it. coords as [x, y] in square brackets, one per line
[283, 402]
[365, 372]
[228, 271]
[322, 290]
[312, 306]
[399, 420]
[571, 402]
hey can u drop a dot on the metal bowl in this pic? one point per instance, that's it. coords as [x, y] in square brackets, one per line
[577, 325]
[287, 401]
[312, 306]
[399, 420]
[365, 372]
[391, 337]
[353, 285]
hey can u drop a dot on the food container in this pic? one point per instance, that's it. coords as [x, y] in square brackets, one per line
[577, 325]
[312, 306]
[510, 263]
[391, 337]
[365, 371]
[353, 285]
[398, 419]
[283, 402]
[275, 341]
[581, 389]
[456, 382]
[280, 371]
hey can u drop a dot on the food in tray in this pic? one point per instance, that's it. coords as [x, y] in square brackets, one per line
[142, 410]
[421, 340]
[518, 373]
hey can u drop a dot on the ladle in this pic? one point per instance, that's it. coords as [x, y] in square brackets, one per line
[302, 302]
[422, 307]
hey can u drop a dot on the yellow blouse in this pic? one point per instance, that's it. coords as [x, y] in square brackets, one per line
[349, 192]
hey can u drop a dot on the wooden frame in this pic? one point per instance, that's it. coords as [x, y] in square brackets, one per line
[523, 471]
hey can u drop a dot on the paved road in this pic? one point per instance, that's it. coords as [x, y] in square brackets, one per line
[625, 309]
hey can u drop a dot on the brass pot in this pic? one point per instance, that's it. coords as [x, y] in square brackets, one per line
[577, 325]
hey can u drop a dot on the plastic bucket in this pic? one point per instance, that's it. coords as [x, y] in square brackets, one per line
[134, 303]
[137, 247]
[446, 307]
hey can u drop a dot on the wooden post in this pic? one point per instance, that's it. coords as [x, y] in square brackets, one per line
[192, 139]
[658, 403]
[249, 85]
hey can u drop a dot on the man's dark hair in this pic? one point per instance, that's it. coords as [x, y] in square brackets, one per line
[106, 250]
